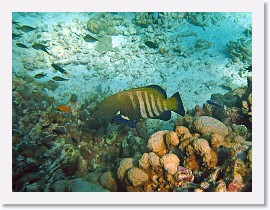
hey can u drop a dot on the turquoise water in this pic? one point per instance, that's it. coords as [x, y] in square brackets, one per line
[96, 55]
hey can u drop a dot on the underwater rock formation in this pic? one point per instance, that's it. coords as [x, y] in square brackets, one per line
[202, 153]
[102, 24]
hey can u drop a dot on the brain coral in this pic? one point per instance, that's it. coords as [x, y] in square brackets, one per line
[144, 162]
[156, 143]
[205, 124]
[149, 161]
[180, 130]
[137, 176]
[125, 164]
[170, 163]
[172, 139]
[154, 160]
[202, 148]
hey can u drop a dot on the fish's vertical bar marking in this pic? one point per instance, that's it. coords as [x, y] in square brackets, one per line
[159, 105]
[142, 108]
[164, 105]
[148, 105]
[154, 105]
[132, 100]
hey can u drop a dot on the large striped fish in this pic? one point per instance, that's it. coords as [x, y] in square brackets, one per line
[129, 106]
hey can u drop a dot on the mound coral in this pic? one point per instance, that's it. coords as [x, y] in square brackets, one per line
[206, 124]
[156, 143]
[136, 176]
[170, 163]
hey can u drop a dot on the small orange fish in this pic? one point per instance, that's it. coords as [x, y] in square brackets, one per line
[64, 108]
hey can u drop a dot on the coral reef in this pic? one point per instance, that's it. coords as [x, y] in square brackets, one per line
[202, 19]
[241, 50]
[202, 154]
[236, 107]
[53, 150]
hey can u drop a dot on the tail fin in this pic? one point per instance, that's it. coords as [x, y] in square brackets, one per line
[175, 104]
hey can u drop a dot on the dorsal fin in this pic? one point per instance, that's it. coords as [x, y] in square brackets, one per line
[160, 89]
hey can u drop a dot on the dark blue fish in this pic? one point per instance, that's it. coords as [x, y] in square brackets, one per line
[21, 45]
[15, 36]
[120, 119]
[249, 68]
[213, 103]
[58, 68]
[40, 47]
[15, 22]
[151, 44]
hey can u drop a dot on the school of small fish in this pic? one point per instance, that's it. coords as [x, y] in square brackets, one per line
[42, 47]
[144, 102]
